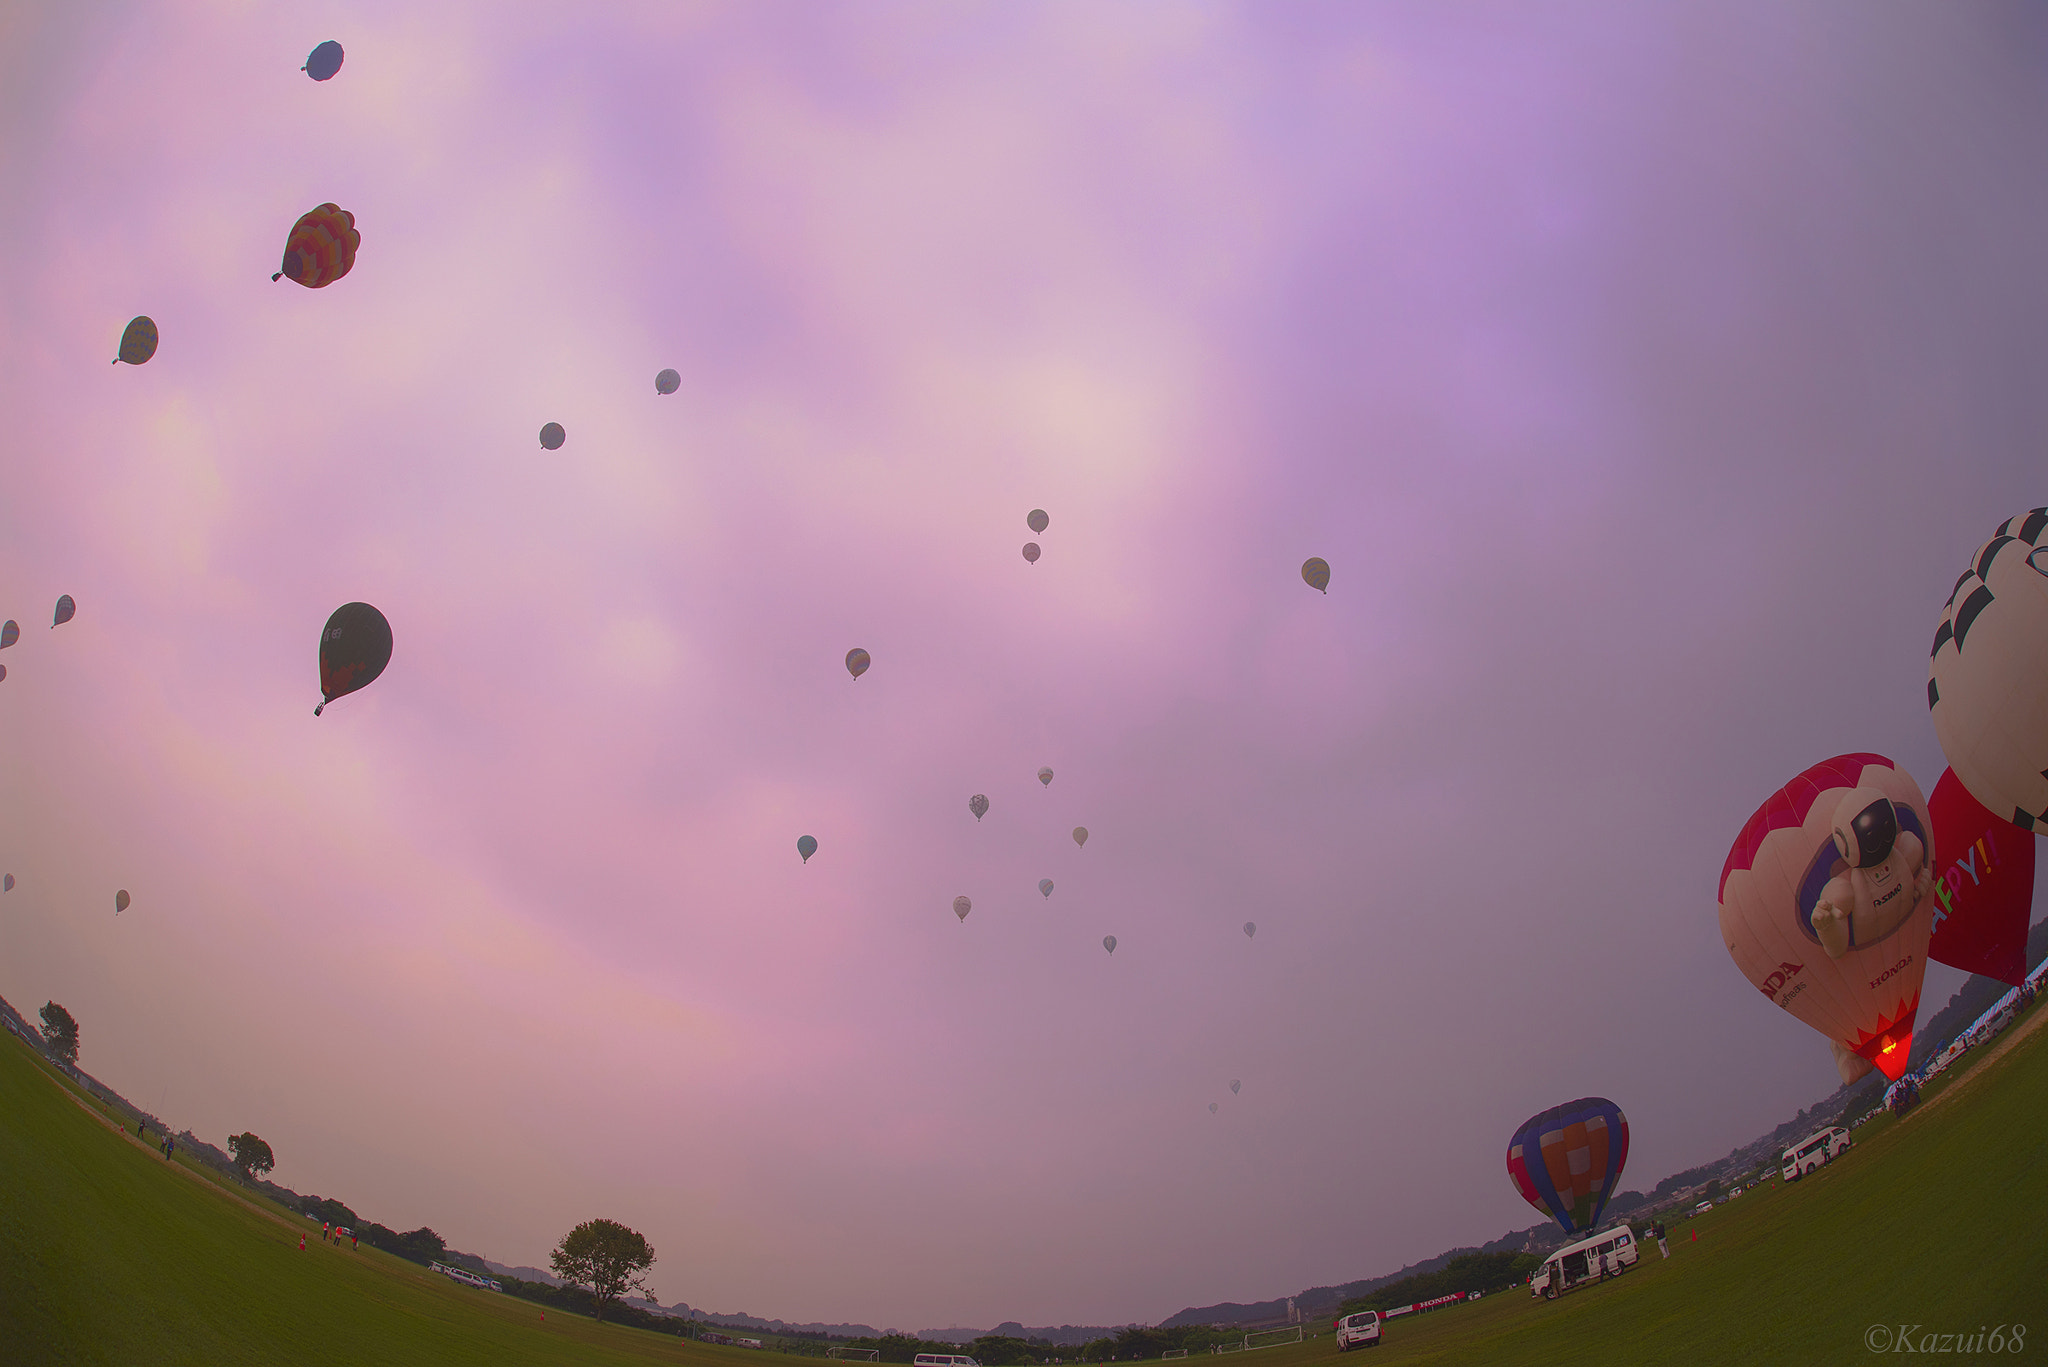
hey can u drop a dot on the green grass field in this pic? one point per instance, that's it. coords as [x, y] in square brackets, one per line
[109, 1254]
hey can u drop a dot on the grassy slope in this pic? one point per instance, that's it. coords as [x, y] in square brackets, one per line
[106, 1255]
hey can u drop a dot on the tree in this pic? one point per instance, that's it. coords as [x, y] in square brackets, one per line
[60, 1032]
[606, 1257]
[252, 1155]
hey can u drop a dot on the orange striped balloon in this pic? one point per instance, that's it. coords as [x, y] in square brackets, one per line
[321, 248]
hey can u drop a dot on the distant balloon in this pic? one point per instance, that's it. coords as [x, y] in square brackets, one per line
[3, 673]
[668, 382]
[1045, 887]
[321, 248]
[1827, 902]
[978, 804]
[9, 633]
[1989, 698]
[324, 61]
[806, 846]
[1565, 1161]
[120, 901]
[857, 662]
[138, 341]
[1031, 552]
[1037, 521]
[1315, 572]
[66, 610]
[552, 436]
[1212, 1108]
[355, 645]
[1251, 928]
[1109, 943]
[7, 883]
[961, 906]
[1080, 835]
[1045, 776]
[1234, 1086]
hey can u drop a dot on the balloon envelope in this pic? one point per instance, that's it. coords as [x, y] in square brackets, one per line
[1234, 1085]
[3, 673]
[552, 436]
[1109, 943]
[978, 804]
[1045, 776]
[1251, 928]
[1566, 1160]
[120, 901]
[1212, 1108]
[1987, 676]
[668, 382]
[806, 846]
[1045, 887]
[857, 662]
[10, 632]
[321, 248]
[66, 610]
[1036, 520]
[1315, 572]
[1787, 884]
[7, 883]
[355, 645]
[1031, 552]
[1080, 835]
[324, 61]
[138, 340]
[961, 906]
[1983, 885]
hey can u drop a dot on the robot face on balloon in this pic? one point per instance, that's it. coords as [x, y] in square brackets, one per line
[1878, 877]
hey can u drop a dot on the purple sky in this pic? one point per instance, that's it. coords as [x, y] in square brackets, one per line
[1645, 375]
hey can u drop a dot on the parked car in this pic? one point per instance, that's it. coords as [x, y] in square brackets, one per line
[1822, 1146]
[1361, 1330]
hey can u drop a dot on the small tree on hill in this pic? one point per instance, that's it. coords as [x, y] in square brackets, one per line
[60, 1031]
[605, 1256]
[252, 1155]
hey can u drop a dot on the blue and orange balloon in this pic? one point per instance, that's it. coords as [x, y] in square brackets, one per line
[1565, 1161]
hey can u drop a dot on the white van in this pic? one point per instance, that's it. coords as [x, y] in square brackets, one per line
[1822, 1146]
[945, 1360]
[1586, 1260]
[1361, 1330]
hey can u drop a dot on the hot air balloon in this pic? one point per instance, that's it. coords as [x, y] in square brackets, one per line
[324, 61]
[321, 248]
[1031, 552]
[552, 435]
[120, 901]
[806, 846]
[3, 673]
[1212, 1108]
[1045, 776]
[1109, 943]
[961, 906]
[138, 341]
[10, 632]
[1827, 900]
[1983, 885]
[1566, 1160]
[1036, 520]
[1080, 835]
[66, 610]
[668, 382]
[857, 662]
[1045, 887]
[1234, 1085]
[1987, 676]
[355, 645]
[1251, 928]
[1315, 572]
[7, 883]
[978, 804]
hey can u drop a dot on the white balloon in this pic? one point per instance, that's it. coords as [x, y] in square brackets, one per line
[961, 906]
[1987, 676]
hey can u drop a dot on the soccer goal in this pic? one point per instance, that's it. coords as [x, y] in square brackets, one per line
[854, 1354]
[1273, 1338]
[1173, 1353]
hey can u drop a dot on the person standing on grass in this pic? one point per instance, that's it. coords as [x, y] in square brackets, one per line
[325, 1225]
[1662, 1247]
[354, 1239]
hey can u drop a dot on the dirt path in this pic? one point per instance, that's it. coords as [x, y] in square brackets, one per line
[117, 1127]
[2013, 1035]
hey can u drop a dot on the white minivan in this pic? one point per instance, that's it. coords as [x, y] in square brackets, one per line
[1361, 1330]
[1604, 1255]
[1822, 1146]
[945, 1360]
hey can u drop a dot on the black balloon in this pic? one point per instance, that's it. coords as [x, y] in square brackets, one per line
[355, 645]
